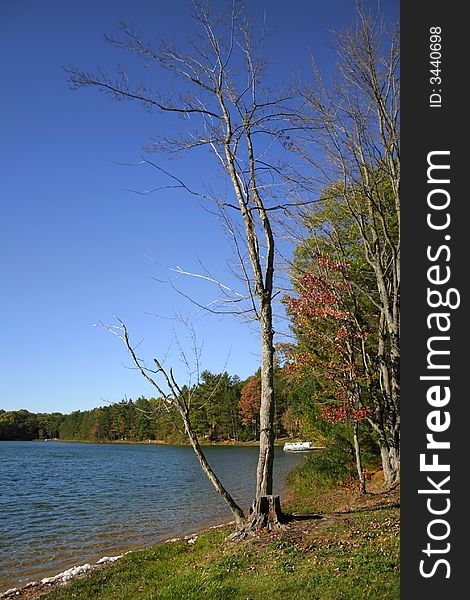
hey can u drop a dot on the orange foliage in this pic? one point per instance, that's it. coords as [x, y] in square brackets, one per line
[250, 399]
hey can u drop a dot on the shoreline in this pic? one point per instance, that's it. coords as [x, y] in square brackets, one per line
[251, 444]
[45, 577]
[352, 516]
[52, 579]
[41, 587]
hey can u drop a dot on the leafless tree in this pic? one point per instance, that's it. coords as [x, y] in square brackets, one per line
[220, 89]
[350, 142]
[173, 396]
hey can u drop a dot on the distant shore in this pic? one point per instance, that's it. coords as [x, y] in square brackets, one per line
[255, 443]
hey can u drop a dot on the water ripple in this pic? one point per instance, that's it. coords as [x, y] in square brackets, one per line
[65, 504]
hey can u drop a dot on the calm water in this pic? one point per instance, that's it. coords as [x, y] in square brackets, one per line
[66, 504]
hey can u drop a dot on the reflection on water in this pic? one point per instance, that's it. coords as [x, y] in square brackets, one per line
[65, 504]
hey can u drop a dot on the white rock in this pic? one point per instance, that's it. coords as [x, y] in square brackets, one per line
[74, 571]
[9, 592]
[68, 574]
[108, 559]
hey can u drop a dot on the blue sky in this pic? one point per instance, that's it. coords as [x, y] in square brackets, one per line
[75, 242]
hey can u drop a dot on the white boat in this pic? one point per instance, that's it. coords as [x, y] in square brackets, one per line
[298, 446]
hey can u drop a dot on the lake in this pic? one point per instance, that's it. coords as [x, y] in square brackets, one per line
[65, 504]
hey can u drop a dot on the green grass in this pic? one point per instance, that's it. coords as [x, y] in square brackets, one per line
[341, 557]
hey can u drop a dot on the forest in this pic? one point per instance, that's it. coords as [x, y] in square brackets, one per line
[225, 410]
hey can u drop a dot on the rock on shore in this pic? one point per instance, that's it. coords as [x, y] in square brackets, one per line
[31, 589]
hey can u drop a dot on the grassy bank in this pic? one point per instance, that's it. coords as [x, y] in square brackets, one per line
[342, 547]
[349, 557]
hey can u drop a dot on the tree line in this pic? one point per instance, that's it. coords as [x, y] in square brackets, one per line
[24, 425]
[225, 409]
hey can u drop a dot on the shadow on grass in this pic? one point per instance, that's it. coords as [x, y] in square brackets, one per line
[371, 508]
[289, 518]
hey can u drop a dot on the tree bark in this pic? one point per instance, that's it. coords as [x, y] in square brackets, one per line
[265, 513]
[359, 467]
[390, 463]
[264, 472]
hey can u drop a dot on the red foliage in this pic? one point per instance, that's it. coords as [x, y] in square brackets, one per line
[96, 430]
[343, 412]
[317, 299]
[250, 400]
[361, 413]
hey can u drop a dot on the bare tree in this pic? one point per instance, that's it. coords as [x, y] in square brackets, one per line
[355, 155]
[171, 395]
[238, 121]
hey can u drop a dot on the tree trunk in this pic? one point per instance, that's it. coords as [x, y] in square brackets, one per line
[359, 467]
[390, 464]
[265, 513]
[266, 509]
[264, 472]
